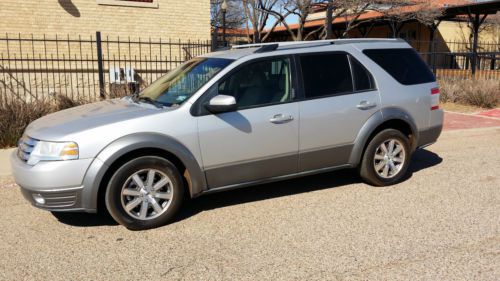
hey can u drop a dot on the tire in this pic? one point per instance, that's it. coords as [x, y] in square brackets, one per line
[379, 168]
[130, 186]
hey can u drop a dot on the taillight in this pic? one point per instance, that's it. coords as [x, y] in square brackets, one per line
[435, 99]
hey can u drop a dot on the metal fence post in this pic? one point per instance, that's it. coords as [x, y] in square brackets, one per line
[215, 39]
[100, 64]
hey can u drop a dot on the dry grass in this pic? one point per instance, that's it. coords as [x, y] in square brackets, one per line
[477, 93]
[16, 115]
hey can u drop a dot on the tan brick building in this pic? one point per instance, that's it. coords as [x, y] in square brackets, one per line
[185, 19]
[49, 47]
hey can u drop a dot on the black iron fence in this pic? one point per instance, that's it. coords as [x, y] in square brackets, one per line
[96, 67]
[455, 59]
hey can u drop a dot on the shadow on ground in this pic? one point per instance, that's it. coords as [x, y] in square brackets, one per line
[422, 159]
[84, 219]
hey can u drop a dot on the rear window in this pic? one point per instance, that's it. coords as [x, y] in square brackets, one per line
[405, 65]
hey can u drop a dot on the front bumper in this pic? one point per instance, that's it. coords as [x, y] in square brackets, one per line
[58, 185]
[67, 199]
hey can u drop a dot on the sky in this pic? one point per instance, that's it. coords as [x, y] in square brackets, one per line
[289, 19]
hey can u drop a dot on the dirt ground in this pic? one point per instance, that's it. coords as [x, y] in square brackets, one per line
[441, 223]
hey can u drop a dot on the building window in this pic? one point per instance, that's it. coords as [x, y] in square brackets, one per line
[130, 3]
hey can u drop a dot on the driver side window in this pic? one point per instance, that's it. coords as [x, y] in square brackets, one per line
[259, 83]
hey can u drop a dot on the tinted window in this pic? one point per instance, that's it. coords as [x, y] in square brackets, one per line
[363, 80]
[259, 83]
[326, 74]
[405, 65]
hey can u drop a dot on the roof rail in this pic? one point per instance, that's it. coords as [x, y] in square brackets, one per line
[248, 46]
[268, 47]
[285, 44]
[369, 40]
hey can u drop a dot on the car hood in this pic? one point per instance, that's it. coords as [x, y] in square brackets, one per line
[85, 117]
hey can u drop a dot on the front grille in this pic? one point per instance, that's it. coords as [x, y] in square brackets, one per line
[25, 147]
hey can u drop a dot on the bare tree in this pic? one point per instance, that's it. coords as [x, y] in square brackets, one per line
[329, 19]
[235, 16]
[398, 12]
[300, 8]
[395, 12]
[334, 9]
[257, 13]
[351, 10]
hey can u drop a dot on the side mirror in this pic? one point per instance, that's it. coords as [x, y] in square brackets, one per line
[221, 103]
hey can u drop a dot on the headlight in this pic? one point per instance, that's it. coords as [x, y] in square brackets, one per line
[53, 151]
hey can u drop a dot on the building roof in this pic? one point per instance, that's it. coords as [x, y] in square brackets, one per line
[232, 31]
[483, 7]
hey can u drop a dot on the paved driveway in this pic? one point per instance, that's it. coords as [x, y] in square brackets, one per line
[456, 121]
[443, 223]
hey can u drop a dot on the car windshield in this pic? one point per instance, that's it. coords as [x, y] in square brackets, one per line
[180, 84]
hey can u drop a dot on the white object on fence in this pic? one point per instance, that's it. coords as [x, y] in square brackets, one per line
[119, 75]
[130, 74]
[114, 75]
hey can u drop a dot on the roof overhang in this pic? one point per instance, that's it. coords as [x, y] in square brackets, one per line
[483, 8]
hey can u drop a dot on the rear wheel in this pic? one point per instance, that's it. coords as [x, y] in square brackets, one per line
[144, 193]
[386, 158]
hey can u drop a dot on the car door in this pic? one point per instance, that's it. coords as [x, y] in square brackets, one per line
[260, 139]
[338, 98]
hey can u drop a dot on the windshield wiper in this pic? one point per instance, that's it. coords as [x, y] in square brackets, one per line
[149, 100]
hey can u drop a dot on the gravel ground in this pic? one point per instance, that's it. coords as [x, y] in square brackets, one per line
[6, 182]
[443, 223]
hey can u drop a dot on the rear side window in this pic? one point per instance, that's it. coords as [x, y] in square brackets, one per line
[363, 80]
[405, 65]
[326, 74]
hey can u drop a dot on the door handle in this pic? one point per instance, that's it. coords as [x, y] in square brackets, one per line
[281, 118]
[364, 105]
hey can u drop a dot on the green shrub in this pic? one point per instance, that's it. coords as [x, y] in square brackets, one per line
[480, 93]
[16, 115]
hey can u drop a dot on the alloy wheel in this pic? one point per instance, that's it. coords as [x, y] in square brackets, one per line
[147, 194]
[389, 158]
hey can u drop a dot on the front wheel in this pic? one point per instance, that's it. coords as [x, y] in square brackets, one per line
[386, 158]
[144, 193]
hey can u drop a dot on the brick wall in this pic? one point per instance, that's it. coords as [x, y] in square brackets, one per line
[185, 19]
[33, 69]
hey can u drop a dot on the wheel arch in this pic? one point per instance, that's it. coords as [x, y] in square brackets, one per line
[132, 146]
[392, 117]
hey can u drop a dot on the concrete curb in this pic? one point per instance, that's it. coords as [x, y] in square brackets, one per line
[473, 114]
[5, 170]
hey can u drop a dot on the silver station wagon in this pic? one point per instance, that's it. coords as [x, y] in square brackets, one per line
[235, 118]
